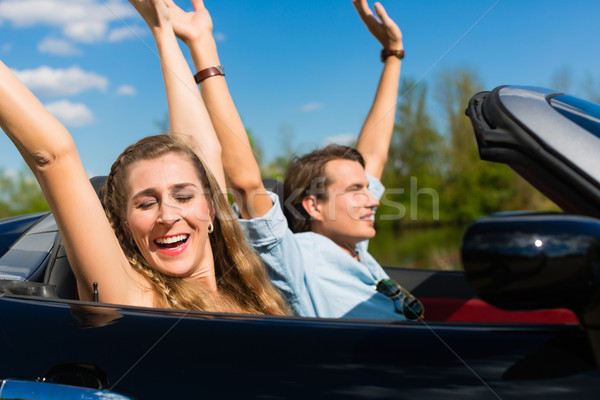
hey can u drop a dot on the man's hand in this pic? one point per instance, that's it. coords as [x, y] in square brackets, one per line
[383, 28]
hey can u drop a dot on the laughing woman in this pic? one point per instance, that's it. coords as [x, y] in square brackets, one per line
[168, 237]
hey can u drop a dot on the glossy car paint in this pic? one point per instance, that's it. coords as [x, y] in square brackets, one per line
[165, 354]
[149, 353]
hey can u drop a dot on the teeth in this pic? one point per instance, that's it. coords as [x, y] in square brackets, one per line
[171, 239]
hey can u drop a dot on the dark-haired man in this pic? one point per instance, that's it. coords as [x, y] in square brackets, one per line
[322, 266]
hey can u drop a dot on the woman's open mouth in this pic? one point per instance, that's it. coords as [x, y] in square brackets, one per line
[171, 245]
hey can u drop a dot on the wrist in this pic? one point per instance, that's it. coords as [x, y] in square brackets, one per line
[204, 41]
[161, 28]
[206, 73]
[204, 53]
[386, 53]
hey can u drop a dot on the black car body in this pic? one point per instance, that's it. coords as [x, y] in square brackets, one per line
[464, 348]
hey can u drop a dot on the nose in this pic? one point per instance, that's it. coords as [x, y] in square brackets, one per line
[372, 201]
[168, 214]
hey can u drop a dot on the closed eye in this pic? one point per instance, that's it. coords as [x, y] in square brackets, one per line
[184, 199]
[145, 205]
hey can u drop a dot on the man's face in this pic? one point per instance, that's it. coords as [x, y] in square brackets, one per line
[347, 216]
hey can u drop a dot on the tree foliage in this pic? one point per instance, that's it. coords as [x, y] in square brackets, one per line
[435, 175]
[20, 193]
[416, 160]
[277, 168]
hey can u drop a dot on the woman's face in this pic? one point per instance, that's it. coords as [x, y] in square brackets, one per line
[168, 215]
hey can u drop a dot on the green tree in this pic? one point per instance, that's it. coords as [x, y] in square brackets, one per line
[474, 188]
[277, 168]
[20, 193]
[415, 163]
[591, 88]
[562, 79]
[255, 145]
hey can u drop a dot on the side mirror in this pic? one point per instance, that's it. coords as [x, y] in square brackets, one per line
[532, 261]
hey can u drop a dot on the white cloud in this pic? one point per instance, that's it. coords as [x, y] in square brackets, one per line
[220, 36]
[312, 106]
[46, 81]
[80, 20]
[126, 90]
[85, 31]
[59, 47]
[127, 32]
[344, 139]
[71, 114]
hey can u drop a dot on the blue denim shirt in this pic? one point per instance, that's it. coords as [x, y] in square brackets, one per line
[318, 278]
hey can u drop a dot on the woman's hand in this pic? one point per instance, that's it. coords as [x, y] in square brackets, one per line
[193, 25]
[383, 28]
[154, 12]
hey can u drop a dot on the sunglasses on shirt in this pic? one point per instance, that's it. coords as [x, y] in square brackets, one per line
[404, 301]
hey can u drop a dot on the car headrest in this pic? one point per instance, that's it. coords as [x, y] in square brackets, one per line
[98, 183]
[275, 186]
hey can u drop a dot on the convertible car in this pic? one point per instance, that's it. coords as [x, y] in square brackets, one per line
[522, 320]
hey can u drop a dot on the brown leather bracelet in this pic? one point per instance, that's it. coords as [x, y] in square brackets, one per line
[208, 72]
[385, 53]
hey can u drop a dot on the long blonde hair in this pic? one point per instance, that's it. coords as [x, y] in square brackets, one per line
[242, 282]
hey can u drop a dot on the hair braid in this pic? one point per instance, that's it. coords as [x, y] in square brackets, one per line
[242, 283]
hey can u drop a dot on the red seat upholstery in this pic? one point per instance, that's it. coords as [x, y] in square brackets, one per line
[474, 310]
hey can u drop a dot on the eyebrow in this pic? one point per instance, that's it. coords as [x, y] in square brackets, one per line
[180, 186]
[357, 185]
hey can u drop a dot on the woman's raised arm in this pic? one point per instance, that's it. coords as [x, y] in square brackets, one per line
[241, 169]
[45, 144]
[187, 113]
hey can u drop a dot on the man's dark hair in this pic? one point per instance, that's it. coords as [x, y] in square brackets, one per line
[306, 176]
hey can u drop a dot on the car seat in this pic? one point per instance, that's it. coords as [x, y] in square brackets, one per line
[58, 271]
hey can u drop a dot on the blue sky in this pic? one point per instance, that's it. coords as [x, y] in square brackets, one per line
[302, 70]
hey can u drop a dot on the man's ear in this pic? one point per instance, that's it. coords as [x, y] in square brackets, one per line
[312, 207]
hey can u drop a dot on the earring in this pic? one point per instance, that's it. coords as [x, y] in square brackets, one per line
[211, 227]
